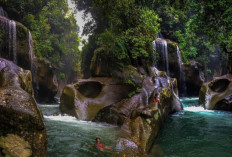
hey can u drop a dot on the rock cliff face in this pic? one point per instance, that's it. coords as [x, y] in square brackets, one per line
[14, 44]
[113, 102]
[194, 77]
[22, 132]
[44, 81]
[217, 94]
[190, 76]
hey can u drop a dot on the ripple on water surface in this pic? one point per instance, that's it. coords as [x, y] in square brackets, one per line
[69, 137]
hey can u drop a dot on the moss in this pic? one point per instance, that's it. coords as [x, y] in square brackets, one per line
[172, 47]
[15, 146]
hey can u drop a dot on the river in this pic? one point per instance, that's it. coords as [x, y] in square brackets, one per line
[69, 137]
[194, 132]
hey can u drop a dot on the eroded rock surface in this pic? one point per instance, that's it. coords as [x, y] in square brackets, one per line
[86, 97]
[20, 119]
[217, 94]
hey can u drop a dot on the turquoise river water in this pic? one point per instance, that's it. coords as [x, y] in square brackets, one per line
[194, 132]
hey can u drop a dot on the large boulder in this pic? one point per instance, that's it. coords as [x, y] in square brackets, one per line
[15, 41]
[194, 77]
[22, 131]
[217, 94]
[44, 80]
[140, 117]
[86, 97]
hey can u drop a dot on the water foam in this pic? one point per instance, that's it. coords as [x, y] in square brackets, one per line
[196, 109]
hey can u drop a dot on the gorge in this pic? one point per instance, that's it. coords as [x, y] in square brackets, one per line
[150, 81]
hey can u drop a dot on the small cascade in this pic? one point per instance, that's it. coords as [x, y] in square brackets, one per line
[30, 53]
[2, 12]
[14, 42]
[181, 83]
[159, 35]
[10, 27]
[161, 46]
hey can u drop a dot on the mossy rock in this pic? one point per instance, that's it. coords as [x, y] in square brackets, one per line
[22, 43]
[15, 146]
[129, 75]
[19, 113]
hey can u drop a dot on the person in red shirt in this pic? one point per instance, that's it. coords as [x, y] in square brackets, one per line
[156, 99]
[100, 146]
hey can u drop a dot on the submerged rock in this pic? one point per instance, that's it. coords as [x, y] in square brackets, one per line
[20, 119]
[217, 94]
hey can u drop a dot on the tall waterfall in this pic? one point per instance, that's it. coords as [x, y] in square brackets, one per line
[161, 45]
[12, 40]
[30, 53]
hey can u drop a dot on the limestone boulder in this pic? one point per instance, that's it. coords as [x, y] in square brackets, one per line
[86, 97]
[217, 94]
[22, 131]
[140, 117]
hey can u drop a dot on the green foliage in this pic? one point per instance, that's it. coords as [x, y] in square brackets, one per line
[138, 90]
[62, 76]
[54, 31]
[208, 71]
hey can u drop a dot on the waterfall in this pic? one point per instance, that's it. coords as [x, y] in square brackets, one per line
[12, 40]
[30, 53]
[159, 35]
[181, 83]
[161, 45]
[10, 27]
[2, 12]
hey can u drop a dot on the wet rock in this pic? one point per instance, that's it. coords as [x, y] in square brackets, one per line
[194, 77]
[103, 65]
[44, 81]
[216, 94]
[190, 76]
[23, 58]
[139, 117]
[13, 145]
[20, 119]
[86, 97]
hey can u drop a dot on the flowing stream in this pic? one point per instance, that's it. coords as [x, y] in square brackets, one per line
[196, 132]
[69, 137]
